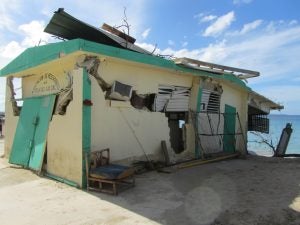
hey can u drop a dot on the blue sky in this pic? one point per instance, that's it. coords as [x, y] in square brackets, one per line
[261, 35]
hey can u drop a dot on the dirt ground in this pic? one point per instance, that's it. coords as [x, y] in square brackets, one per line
[256, 190]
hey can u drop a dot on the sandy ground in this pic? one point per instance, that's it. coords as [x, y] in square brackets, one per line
[256, 190]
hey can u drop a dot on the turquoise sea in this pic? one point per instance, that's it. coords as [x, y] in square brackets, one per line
[277, 123]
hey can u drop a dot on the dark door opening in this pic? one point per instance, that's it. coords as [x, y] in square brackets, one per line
[176, 122]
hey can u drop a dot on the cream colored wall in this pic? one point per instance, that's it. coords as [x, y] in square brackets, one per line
[11, 122]
[237, 98]
[125, 130]
[59, 80]
[64, 146]
[143, 78]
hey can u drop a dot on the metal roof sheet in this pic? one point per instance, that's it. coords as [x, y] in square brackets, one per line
[68, 27]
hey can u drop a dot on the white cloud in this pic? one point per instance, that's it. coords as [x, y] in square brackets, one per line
[251, 26]
[238, 2]
[148, 47]
[6, 17]
[208, 18]
[220, 25]
[34, 34]
[11, 50]
[146, 33]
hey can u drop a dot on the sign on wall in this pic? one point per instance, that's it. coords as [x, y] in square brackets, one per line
[44, 84]
[47, 83]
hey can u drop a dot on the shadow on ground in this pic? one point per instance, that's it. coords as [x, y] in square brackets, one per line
[258, 190]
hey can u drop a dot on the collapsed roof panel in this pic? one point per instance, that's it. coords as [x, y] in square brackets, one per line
[216, 68]
[65, 26]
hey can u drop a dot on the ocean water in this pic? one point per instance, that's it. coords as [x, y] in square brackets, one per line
[277, 123]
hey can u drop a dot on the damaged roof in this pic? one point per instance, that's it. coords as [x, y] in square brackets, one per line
[263, 99]
[65, 26]
[109, 42]
[35, 56]
[39, 55]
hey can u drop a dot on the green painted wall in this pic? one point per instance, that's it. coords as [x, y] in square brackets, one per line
[86, 124]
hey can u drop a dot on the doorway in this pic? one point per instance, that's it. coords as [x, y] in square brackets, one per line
[31, 134]
[229, 129]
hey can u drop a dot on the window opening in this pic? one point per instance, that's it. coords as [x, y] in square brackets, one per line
[15, 86]
[259, 123]
[210, 101]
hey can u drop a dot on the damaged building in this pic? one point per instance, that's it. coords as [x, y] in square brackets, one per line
[97, 89]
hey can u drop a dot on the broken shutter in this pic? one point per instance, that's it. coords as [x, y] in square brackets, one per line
[30, 137]
[172, 99]
[210, 101]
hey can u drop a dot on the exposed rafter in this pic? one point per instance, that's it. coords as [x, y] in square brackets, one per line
[216, 68]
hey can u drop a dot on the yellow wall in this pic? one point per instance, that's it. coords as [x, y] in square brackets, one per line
[237, 98]
[125, 130]
[64, 152]
[143, 78]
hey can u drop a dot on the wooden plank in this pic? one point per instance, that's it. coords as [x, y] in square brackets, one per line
[118, 33]
[201, 162]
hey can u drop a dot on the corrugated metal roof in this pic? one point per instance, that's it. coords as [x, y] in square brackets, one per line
[68, 27]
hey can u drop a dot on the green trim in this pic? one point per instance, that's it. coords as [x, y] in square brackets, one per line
[63, 180]
[42, 54]
[35, 56]
[229, 129]
[199, 98]
[86, 123]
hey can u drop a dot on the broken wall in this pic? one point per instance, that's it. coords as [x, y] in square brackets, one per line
[11, 122]
[64, 144]
[127, 131]
[211, 118]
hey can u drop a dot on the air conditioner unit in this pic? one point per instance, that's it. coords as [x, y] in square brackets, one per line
[120, 91]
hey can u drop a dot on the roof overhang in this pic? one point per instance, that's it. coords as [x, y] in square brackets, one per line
[216, 68]
[259, 104]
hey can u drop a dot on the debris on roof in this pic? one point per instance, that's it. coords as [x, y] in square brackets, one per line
[65, 26]
[118, 33]
[216, 68]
